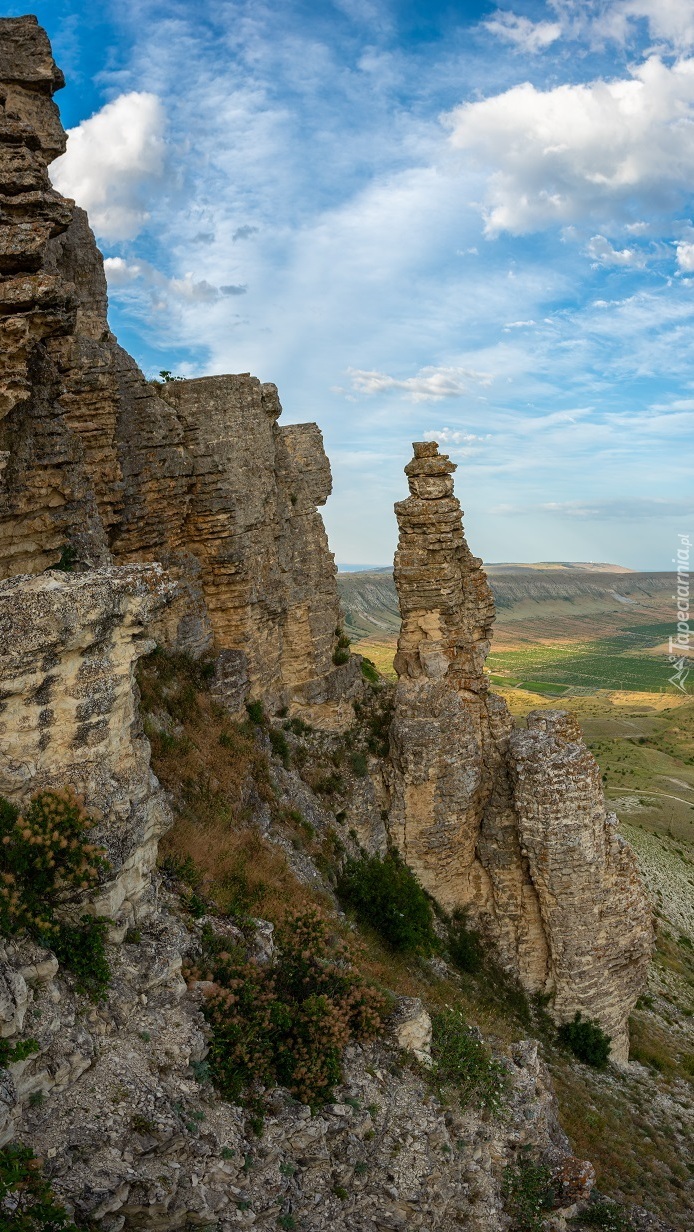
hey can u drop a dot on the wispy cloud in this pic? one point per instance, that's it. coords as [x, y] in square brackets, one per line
[525, 35]
[600, 511]
[429, 384]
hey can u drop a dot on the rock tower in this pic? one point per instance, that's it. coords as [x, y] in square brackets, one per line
[510, 825]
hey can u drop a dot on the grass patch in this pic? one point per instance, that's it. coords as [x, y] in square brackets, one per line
[528, 1193]
[462, 1062]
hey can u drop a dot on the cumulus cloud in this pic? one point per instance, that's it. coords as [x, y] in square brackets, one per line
[527, 36]
[243, 233]
[112, 162]
[577, 152]
[601, 252]
[685, 257]
[669, 20]
[429, 385]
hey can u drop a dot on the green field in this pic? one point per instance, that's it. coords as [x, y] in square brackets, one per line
[606, 663]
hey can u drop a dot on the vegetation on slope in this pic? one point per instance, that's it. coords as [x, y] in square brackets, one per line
[224, 777]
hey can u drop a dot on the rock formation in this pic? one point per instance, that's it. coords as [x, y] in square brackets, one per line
[68, 648]
[510, 825]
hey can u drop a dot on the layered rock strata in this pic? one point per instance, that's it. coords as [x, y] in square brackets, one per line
[69, 711]
[510, 825]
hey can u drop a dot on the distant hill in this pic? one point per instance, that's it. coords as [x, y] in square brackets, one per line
[572, 566]
[523, 593]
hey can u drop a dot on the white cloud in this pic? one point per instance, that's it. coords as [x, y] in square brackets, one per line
[429, 385]
[120, 273]
[123, 273]
[528, 36]
[111, 162]
[638, 507]
[582, 151]
[449, 436]
[669, 20]
[601, 252]
[685, 257]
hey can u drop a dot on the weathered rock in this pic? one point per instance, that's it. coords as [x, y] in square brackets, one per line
[510, 825]
[411, 1028]
[595, 914]
[69, 716]
[267, 574]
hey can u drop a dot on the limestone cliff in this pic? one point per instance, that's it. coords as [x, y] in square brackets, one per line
[104, 466]
[511, 825]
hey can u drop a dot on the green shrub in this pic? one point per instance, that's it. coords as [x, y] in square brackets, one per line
[44, 860]
[256, 713]
[10, 1053]
[377, 717]
[82, 949]
[26, 1201]
[610, 1216]
[329, 784]
[359, 765]
[45, 863]
[586, 1040]
[461, 1060]
[340, 656]
[278, 743]
[68, 558]
[464, 945]
[384, 893]
[528, 1193]
[370, 672]
[288, 1022]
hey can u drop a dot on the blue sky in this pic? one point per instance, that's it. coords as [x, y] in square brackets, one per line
[463, 221]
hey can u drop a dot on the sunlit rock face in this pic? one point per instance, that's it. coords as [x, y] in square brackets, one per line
[510, 825]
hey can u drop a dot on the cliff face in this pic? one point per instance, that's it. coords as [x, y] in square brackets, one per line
[510, 825]
[101, 464]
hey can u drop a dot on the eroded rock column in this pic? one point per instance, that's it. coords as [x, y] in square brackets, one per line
[510, 825]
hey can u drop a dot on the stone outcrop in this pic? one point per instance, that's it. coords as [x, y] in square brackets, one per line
[69, 713]
[131, 1140]
[510, 825]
